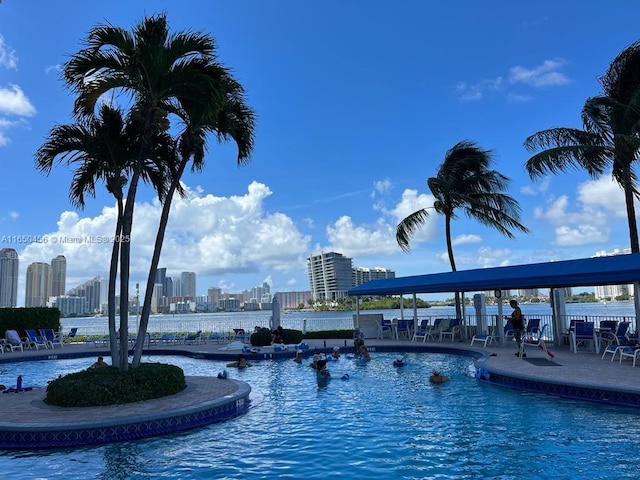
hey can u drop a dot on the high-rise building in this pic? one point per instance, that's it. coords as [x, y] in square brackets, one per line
[330, 275]
[214, 294]
[188, 283]
[38, 288]
[363, 275]
[161, 277]
[8, 278]
[604, 292]
[90, 290]
[58, 276]
[177, 287]
[293, 300]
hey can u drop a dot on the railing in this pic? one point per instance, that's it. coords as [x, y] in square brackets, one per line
[180, 325]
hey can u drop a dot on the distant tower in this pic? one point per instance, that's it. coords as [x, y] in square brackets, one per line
[38, 288]
[188, 282]
[8, 278]
[58, 276]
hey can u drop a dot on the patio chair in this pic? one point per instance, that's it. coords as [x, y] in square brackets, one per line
[434, 330]
[533, 327]
[35, 340]
[630, 352]
[612, 335]
[239, 334]
[404, 329]
[385, 326]
[52, 338]
[509, 331]
[452, 330]
[582, 334]
[421, 331]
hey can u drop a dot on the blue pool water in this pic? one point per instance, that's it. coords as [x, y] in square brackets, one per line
[384, 422]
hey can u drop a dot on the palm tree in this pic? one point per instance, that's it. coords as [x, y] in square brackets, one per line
[155, 71]
[224, 114]
[464, 182]
[104, 148]
[609, 142]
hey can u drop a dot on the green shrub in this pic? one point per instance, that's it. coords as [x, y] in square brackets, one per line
[262, 337]
[107, 386]
[329, 334]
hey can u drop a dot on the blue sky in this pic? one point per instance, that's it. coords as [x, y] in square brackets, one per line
[357, 103]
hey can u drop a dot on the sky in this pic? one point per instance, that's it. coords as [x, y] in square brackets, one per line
[357, 103]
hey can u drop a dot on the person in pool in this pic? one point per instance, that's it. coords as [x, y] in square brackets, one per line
[321, 369]
[336, 352]
[298, 357]
[241, 362]
[364, 353]
[437, 377]
[399, 361]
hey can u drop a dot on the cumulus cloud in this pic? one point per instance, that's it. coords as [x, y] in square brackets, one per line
[206, 234]
[547, 74]
[469, 238]
[599, 208]
[361, 241]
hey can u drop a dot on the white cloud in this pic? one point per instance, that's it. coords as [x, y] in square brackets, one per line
[14, 102]
[547, 74]
[206, 234]
[8, 57]
[359, 241]
[544, 75]
[469, 238]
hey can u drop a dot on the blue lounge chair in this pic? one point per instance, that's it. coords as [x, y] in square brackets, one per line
[385, 326]
[404, 329]
[35, 340]
[422, 331]
[452, 331]
[537, 340]
[14, 341]
[52, 338]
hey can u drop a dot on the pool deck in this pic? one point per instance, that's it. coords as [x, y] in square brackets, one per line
[27, 420]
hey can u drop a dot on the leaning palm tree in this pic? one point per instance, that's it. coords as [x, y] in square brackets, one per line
[224, 114]
[609, 142]
[465, 182]
[155, 71]
[104, 149]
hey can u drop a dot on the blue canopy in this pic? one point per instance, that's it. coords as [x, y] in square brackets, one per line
[586, 272]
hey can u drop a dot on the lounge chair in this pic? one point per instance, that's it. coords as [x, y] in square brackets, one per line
[14, 342]
[52, 338]
[193, 338]
[533, 326]
[72, 334]
[484, 338]
[537, 340]
[509, 331]
[35, 340]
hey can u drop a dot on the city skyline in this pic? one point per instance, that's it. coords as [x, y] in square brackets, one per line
[356, 108]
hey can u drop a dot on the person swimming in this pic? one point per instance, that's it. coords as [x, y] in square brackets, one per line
[437, 377]
[399, 361]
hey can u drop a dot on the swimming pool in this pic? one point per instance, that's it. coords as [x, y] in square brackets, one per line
[383, 422]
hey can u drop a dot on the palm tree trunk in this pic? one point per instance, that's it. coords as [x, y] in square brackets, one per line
[155, 259]
[113, 274]
[633, 239]
[452, 261]
[125, 259]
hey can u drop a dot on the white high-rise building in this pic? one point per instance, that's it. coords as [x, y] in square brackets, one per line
[8, 278]
[603, 292]
[330, 275]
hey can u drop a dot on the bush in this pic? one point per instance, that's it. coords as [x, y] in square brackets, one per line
[262, 337]
[329, 334]
[107, 386]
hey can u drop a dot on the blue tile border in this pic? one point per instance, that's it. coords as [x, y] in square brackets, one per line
[50, 436]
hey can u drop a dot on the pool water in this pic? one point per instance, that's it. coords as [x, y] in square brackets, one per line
[383, 422]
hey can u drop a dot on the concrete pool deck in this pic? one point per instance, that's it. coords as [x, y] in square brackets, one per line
[28, 423]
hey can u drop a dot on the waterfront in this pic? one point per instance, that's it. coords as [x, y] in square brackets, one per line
[332, 320]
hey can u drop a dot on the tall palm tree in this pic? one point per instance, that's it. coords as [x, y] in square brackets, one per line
[228, 117]
[465, 182]
[609, 142]
[155, 71]
[104, 149]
